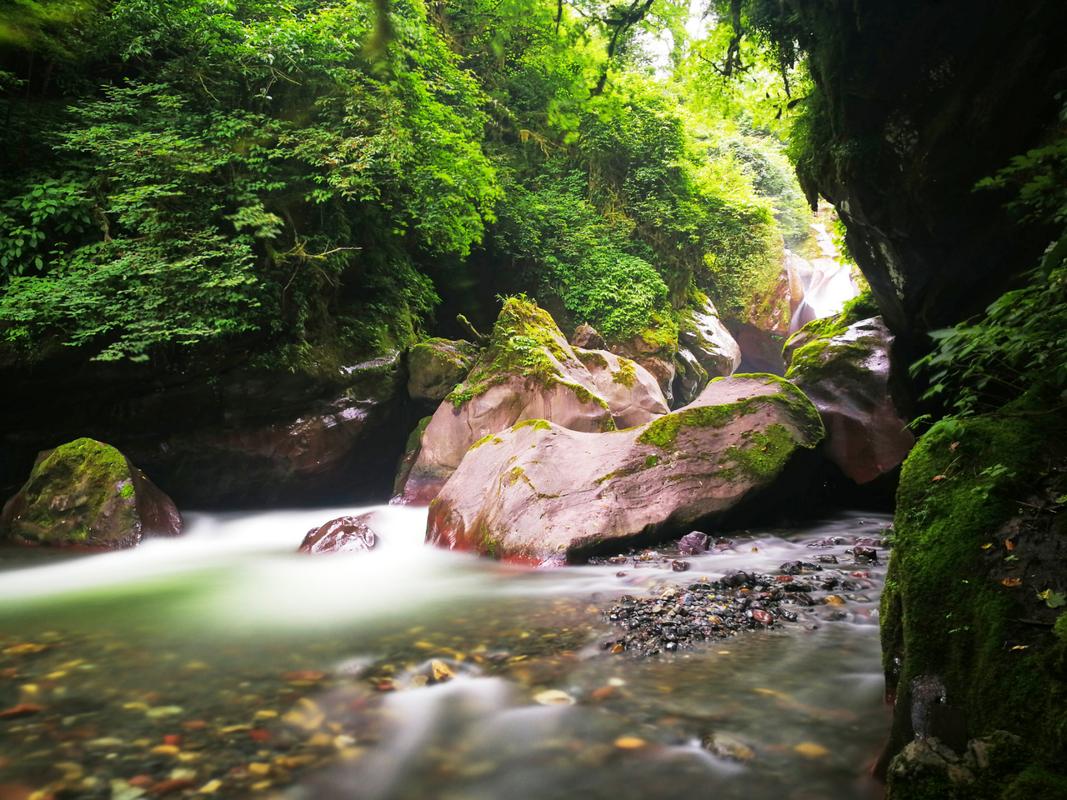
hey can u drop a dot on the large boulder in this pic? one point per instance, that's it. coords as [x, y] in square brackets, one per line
[540, 493]
[529, 371]
[436, 366]
[348, 534]
[844, 369]
[703, 333]
[86, 493]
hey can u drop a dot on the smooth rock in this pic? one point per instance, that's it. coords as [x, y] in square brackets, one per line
[541, 493]
[846, 375]
[349, 534]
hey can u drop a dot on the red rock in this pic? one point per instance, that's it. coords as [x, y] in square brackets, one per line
[171, 786]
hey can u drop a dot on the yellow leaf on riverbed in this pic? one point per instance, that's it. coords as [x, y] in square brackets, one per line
[811, 750]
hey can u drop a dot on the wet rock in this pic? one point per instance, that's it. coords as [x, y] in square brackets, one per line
[679, 566]
[844, 369]
[681, 616]
[693, 543]
[436, 366]
[865, 554]
[342, 535]
[761, 351]
[528, 372]
[86, 493]
[690, 378]
[541, 493]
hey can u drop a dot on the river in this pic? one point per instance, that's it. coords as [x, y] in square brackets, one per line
[223, 663]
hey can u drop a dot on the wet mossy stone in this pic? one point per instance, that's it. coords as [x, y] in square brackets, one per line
[86, 493]
[437, 366]
[976, 572]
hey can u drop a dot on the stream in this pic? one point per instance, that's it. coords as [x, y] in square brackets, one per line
[223, 663]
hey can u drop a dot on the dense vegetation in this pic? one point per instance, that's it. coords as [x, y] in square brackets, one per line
[180, 176]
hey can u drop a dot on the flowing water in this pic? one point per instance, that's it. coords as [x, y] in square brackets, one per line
[223, 663]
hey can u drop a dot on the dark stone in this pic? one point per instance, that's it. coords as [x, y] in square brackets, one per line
[341, 535]
[693, 543]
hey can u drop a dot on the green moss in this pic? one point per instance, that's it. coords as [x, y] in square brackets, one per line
[651, 461]
[491, 437]
[536, 424]
[514, 474]
[761, 456]
[945, 611]
[626, 374]
[92, 477]
[591, 358]
[663, 432]
[810, 358]
[525, 342]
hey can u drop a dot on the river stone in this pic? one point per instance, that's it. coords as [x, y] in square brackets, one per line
[436, 366]
[690, 377]
[87, 493]
[540, 493]
[845, 372]
[528, 371]
[349, 534]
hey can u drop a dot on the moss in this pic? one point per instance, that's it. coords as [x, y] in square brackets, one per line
[514, 474]
[525, 342]
[761, 456]
[651, 461]
[626, 374]
[591, 358]
[818, 351]
[663, 432]
[95, 482]
[491, 437]
[945, 611]
[536, 424]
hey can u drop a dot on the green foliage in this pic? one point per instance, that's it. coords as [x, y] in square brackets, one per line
[1016, 347]
[272, 178]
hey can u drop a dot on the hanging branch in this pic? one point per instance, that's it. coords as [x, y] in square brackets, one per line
[620, 24]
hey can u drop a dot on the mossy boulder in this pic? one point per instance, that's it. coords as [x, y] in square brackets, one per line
[845, 370]
[86, 493]
[437, 366]
[973, 630]
[541, 493]
[529, 371]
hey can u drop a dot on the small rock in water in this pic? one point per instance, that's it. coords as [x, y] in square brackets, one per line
[679, 566]
[553, 697]
[865, 554]
[725, 745]
[693, 543]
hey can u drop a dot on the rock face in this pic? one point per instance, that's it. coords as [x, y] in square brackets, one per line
[892, 95]
[241, 437]
[342, 535]
[761, 350]
[436, 366]
[529, 371]
[845, 372]
[86, 493]
[540, 493]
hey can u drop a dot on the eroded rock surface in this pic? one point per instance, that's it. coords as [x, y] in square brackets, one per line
[542, 493]
[86, 493]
